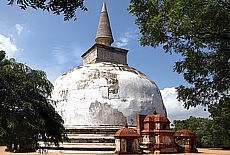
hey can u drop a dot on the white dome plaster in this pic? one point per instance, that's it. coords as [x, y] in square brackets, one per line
[105, 94]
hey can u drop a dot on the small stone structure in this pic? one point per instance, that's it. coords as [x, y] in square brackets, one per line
[186, 140]
[126, 140]
[156, 135]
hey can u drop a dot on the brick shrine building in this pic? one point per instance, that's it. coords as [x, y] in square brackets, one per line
[186, 140]
[156, 135]
[127, 141]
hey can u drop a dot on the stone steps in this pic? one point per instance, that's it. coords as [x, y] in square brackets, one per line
[81, 152]
[85, 139]
[91, 131]
[87, 145]
[90, 135]
[82, 147]
[92, 140]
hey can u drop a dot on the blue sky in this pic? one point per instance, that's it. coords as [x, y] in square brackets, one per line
[46, 42]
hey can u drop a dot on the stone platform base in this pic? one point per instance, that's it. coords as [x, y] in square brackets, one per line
[85, 139]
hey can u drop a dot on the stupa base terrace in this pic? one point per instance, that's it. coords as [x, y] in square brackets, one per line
[86, 139]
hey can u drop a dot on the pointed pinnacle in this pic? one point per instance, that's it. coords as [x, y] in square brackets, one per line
[104, 33]
[103, 8]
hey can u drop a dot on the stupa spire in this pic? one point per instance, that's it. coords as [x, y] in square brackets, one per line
[104, 33]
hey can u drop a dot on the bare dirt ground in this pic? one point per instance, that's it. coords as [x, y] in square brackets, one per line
[201, 151]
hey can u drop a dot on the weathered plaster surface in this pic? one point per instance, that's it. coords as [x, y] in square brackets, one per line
[105, 94]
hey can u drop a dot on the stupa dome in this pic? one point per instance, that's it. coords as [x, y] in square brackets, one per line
[105, 94]
[105, 90]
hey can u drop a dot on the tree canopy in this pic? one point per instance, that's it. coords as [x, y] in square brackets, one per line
[209, 133]
[199, 30]
[66, 7]
[200, 126]
[25, 108]
[220, 114]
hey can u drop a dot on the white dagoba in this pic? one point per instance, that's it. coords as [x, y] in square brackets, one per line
[105, 90]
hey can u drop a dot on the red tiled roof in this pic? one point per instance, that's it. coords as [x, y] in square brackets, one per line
[158, 131]
[184, 133]
[126, 133]
[156, 118]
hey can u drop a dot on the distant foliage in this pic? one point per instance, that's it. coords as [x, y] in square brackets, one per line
[25, 108]
[221, 119]
[208, 132]
[200, 126]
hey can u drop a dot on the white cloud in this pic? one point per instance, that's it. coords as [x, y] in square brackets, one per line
[122, 42]
[60, 54]
[175, 108]
[8, 45]
[19, 28]
[126, 38]
[65, 54]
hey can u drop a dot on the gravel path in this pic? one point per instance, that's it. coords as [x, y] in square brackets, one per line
[201, 151]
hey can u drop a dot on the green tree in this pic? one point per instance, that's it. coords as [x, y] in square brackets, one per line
[25, 108]
[221, 118]
[65, 7]
[202, 127]
[198, 30]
